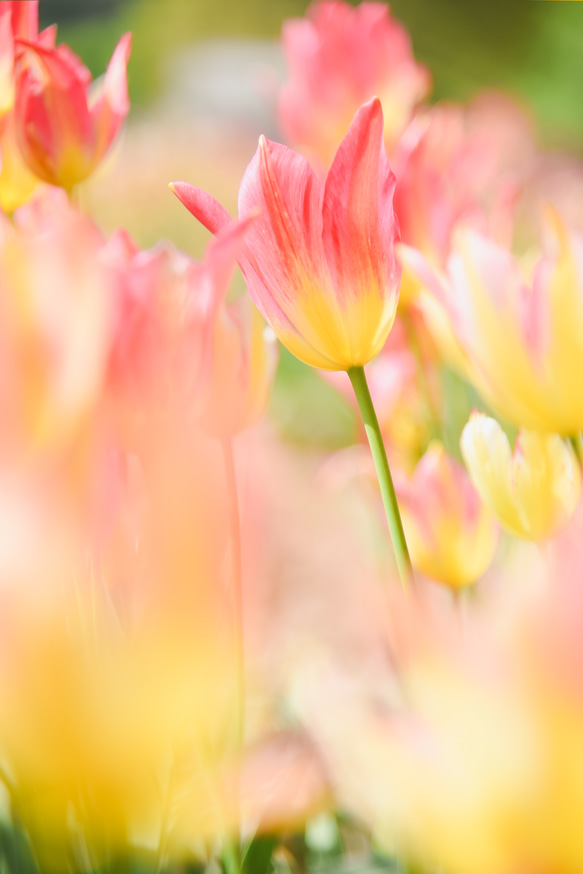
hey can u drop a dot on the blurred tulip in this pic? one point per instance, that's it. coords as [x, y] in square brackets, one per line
[339, 57]
[18, 20]
[180, 349]
[17, 183]
[521, 338]
[56, 302]
[320, 264]
[114, 673]
[244, 358]
[64, 127]
[450, 533]
[534, 491]
[462, 164]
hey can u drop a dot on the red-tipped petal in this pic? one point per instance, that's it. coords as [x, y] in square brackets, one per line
[285, 243]
[359, 226]
[113, 103]
[203, 207]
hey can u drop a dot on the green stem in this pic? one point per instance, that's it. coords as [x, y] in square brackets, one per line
[231, 858]
[377, 448]
[237, 575]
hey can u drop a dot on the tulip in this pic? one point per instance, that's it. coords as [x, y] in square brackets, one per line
[320, 265]
[179, 346]
[339, 57]
[64, 128]
[451, 535]
[56, 306]
[463, 164]
[522, 338]
[534, 491]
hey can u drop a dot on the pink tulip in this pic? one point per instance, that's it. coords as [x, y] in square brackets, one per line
[65, 127]
[451, 534]
[179, 347]
[339, 57]
[464, 165]
[320, 263]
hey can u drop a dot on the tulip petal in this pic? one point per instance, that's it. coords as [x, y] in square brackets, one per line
[113, 103]
[286, 275]
[25, 19]
[6, 60]
[203, 207]
[359, 225]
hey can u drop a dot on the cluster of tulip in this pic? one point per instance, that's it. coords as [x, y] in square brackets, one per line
[400, 238]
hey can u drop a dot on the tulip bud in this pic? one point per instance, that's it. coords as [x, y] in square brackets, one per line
[66, 125]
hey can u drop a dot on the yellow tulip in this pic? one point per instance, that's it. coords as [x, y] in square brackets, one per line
[533, 492]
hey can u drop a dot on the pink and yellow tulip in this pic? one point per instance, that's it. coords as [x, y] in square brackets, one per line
[320, 263]
[521, 330]
[340, 56]
[450, 533]
[65, 125]
[179, 348]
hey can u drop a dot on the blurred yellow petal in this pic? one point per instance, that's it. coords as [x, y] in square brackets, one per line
[533, 492]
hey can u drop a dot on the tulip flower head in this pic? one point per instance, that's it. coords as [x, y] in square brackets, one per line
[320, 264]
[65, 124]
[179, 348]
[450, 533]
[521, 336]
[340, 56]
[534, 491]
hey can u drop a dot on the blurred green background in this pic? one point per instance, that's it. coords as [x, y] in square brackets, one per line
[533, 50]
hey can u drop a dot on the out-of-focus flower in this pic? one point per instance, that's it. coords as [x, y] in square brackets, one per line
[244, 359]
[56, 302]
[17, 183]
[450, 533]
[464, 164]
[115, 665]
[461, 164]
[65, 125]
[179, 348]
[320, 264]
[534, 491]
[339, 57]
[521, 336]
[488, 729]
[18, 20]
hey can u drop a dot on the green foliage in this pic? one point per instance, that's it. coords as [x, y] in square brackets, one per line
[307, 411]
